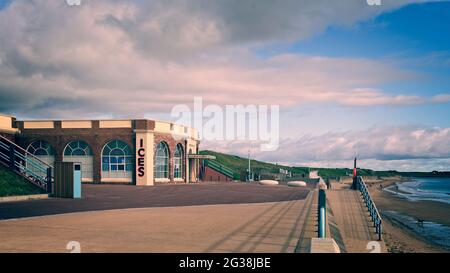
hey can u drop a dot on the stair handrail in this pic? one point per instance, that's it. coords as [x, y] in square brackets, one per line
[374, 213]
[220, 167]
[25, 151]
[44, 180]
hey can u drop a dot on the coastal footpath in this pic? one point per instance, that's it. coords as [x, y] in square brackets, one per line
[401, 238]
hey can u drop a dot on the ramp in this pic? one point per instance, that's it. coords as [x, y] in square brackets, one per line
[353, 221]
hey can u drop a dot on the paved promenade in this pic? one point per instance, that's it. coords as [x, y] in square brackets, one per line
[224, 217]
[107, 197]
[263, 227]
[352, 218]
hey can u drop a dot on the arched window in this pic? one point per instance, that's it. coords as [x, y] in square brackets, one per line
[77, 148]
[43, 151]
[79, 151]
[162, 160]
[40, 148]
[116, 160]
[178, 162]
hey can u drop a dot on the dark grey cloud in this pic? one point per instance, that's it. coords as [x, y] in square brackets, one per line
[174, 29]
[137, 57]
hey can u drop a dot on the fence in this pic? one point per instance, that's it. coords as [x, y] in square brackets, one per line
[374, 214]
[26, 164]
[222, 169]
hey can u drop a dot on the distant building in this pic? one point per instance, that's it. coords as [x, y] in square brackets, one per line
[133, 151]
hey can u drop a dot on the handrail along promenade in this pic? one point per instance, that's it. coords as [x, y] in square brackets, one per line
[370, 204]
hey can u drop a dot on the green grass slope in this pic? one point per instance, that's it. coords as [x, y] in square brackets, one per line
[12, 184]
[240, 164]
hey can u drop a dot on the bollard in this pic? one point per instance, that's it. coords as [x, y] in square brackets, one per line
[322, 214]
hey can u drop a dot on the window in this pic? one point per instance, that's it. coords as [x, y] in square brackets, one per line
[44, 153]
[77, 148]
[178, 162]
[117, 160]
[40, 148]
[79, 151]
[162, 161]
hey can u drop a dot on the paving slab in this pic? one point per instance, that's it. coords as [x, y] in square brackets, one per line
[353, 220]
[259, 227]
[107, 197]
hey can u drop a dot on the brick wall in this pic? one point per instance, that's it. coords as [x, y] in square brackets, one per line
[213, 175]
[95, 137]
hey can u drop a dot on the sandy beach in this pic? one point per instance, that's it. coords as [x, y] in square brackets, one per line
[398, 236]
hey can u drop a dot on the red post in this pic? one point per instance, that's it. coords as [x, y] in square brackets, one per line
[355, 175]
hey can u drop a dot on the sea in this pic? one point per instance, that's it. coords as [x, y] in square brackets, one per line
[430, 189]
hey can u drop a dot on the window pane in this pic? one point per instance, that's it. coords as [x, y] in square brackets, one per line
[117, 152]
[78, 152]
[82, 145]
[73, 145]
[40, 152]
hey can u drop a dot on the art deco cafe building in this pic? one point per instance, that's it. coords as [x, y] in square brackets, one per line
[134, 151]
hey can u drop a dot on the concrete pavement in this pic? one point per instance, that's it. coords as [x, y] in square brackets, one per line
[107, 197]
[263, 227]
[352, 219]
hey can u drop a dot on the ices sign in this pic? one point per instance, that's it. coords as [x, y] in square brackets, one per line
[141, 159]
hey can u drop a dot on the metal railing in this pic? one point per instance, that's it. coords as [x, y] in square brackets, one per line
[373, 211]
[222, 169]
[26, 164]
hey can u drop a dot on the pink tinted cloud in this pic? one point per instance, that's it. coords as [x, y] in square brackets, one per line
[106, 53]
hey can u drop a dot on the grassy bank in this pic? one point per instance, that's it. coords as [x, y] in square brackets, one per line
[240, 164]
[12, 184]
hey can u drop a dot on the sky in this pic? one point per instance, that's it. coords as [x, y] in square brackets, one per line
[350, 79]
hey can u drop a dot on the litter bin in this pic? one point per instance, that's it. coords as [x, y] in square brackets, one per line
[77, 180]
[67, 180]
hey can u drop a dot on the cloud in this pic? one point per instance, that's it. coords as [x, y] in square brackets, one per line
[390, 144]
[420, 164]
[442, 98]
[130, 58]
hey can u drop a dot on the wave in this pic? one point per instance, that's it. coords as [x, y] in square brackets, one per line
[423, 189]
